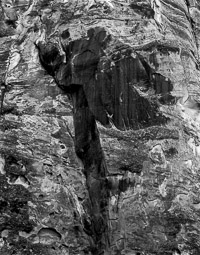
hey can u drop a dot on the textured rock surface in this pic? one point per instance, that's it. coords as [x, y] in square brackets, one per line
[99, 127]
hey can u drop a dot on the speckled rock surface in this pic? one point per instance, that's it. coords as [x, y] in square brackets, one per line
[99, 127]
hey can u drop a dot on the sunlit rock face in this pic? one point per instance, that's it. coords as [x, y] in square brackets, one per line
[99, 127]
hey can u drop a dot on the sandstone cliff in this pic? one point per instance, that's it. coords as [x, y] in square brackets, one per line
[99, 127]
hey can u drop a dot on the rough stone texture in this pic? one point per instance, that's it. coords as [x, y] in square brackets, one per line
[99, 127]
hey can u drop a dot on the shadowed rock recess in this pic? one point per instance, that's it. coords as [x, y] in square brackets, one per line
[99, 127]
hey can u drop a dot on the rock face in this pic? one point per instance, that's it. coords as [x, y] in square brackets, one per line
[99, 127]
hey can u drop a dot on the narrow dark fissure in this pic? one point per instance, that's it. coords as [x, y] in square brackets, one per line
[88, 149]
[3, 91]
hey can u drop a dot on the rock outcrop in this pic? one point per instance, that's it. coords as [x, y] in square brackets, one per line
[99, 127]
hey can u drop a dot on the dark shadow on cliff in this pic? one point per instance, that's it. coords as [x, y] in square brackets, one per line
[113, 89]
[117, 85]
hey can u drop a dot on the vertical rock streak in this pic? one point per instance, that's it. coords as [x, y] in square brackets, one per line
[87, 147]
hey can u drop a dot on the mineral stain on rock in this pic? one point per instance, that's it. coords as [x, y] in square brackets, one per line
[99, 127]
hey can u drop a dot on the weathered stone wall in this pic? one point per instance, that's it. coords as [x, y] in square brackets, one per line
[99, 127]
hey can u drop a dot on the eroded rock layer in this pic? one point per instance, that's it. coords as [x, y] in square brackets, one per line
[99, 127]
